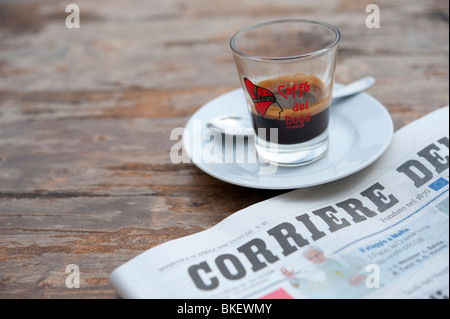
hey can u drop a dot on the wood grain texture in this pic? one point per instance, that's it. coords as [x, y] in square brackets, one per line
[86, 116]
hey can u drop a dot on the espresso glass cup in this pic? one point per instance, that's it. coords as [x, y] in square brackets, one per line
[286, 68]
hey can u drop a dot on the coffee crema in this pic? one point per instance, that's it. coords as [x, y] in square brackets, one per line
[300, 112]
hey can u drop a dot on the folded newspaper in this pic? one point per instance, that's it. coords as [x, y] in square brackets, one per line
[380, 233]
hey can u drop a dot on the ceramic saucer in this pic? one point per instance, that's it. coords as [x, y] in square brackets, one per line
[361, 130]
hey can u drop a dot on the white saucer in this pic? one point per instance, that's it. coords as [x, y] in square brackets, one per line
[361, 130]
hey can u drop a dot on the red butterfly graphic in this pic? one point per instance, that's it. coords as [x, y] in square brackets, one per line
[262, 97]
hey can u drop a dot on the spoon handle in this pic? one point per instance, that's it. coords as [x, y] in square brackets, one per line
[355, 87]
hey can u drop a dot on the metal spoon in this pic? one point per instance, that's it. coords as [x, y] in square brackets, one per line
[353, 88]
[237, 125]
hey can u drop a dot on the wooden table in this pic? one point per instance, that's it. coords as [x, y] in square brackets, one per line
[86, 115]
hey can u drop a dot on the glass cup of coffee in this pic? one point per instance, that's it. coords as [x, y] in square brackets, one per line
[286, 68]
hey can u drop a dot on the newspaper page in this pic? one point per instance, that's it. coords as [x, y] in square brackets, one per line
[380, 233]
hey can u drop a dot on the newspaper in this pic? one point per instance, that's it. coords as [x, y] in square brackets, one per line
[380, 233]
